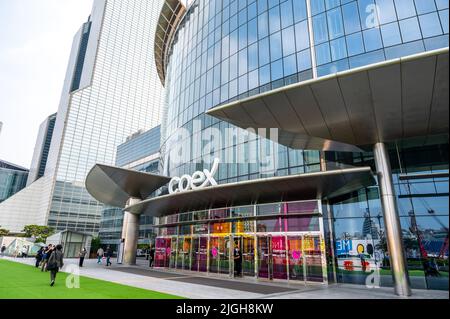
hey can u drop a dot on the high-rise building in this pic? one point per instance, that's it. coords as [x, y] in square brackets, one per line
[41, 149]
[357, 94]
[111, 90]
[140, 152]
[369, 228]
[13, 179]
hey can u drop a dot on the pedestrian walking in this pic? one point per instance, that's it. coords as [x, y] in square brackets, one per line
[55, 262]
[109, 254]
[2, 250]
[39, 255]
[46, 256]
[24, 251]
[152, 256]
[237, 262]
[100, 254]
[82, 255]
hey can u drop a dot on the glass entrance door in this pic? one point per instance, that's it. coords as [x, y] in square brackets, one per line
[199, 254]
[214, 256]
[203, 254]
[296, 257]
[295, 253]
[162, 252]
[246, 245]
[312, 252]
[184, 254]
[264, 257]
[224, 255]
[248, 256]
[173, 253]
[279, 262]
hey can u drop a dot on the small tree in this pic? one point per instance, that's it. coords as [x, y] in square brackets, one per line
[95, 244]
[40, 233]
[3, 232]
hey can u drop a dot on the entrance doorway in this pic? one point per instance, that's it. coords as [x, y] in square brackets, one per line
[246, 245]
[162, 252]
[184, 253]
[299, 257]
[173, 253]
[272, 254]
[199, 254]
[219, 252]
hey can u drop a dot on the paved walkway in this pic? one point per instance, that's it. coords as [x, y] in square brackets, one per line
[195, 286]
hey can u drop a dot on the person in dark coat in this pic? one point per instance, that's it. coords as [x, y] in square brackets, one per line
[39, 256]
[55, 263]
[151, 256]
[109, 254]
[82, 255]
[237, 262]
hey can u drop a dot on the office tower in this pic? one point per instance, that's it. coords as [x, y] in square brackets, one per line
[111, 90]
[41, 149]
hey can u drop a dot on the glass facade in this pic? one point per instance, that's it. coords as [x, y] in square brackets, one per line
[112, 90]
[276, 241]
[420, 175]
[139, 146]
[228, 50]
[81, 56]
[12, 180]
[42, 149]
[225, 50]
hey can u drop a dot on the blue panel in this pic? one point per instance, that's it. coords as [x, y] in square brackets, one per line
[430, 25]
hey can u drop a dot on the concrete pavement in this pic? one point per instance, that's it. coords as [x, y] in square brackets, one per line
[198, 286]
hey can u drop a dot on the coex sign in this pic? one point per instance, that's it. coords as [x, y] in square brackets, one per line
[196, 181]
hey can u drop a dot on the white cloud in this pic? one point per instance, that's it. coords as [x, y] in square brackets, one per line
[34, 51]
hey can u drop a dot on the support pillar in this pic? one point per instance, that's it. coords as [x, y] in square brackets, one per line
[130, 232]
[391, 221]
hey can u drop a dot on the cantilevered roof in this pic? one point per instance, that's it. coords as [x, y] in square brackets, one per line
[171, 15]
[383, 102]
[114, 186]
[294, 187]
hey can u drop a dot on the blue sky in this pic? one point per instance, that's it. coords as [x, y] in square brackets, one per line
[35, 41]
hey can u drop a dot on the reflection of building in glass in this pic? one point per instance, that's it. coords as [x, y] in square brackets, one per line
[111, 90]
[370, 228]
[140, 152]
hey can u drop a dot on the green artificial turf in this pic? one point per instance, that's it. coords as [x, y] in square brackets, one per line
[19, 281]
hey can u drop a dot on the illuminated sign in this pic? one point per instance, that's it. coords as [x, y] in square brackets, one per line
[196, 181]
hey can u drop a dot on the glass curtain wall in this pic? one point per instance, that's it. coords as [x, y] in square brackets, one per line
[278, 241]
[420, 174]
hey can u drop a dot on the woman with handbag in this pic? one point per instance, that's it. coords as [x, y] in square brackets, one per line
[55, 262]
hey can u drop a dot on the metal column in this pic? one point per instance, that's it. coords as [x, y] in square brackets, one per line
[391, 221]
[130, 233]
